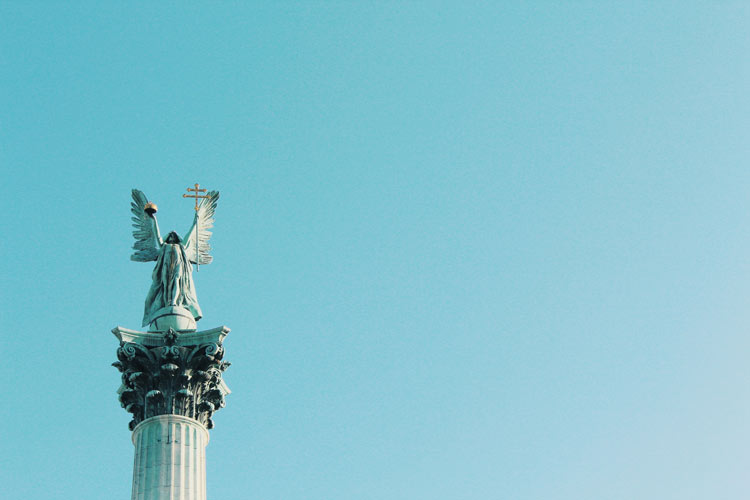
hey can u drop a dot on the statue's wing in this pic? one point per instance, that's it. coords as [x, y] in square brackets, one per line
[196, 239]
[145, 239]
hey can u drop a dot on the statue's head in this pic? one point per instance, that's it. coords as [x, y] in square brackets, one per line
[173, 238]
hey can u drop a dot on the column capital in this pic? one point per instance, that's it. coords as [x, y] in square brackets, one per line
[172, 373]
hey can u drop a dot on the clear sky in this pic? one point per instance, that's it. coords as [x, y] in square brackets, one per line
[494, 250]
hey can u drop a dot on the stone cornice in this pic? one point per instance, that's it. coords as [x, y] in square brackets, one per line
[189, 337]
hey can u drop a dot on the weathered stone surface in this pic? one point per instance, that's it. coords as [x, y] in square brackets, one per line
[174, 317]
[170, 459]
[172, 373]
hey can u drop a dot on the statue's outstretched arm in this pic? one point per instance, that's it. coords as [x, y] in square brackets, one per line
[187, 240]
[156, 230]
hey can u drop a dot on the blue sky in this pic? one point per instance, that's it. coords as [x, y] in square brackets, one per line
[467, 250]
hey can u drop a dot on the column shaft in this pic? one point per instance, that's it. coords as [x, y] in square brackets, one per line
[170, 459]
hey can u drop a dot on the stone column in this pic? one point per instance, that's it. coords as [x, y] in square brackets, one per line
[172, 385]
[170, 459]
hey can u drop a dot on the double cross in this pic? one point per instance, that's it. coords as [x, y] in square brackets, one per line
[195, 194]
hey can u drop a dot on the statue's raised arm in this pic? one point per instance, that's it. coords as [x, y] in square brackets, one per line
[146, 232]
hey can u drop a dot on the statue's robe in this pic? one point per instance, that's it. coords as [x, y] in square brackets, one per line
[172, 283]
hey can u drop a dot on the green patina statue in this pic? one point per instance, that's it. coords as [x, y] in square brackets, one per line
[171, 300]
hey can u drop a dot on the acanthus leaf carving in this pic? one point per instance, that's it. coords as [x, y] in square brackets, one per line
[171, 379]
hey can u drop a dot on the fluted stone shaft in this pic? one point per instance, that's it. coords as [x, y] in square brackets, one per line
[170, 459]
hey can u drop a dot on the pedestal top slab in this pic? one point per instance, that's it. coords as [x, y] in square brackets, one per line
[183, 338]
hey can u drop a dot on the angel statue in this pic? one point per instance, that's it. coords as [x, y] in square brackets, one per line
[171, 300]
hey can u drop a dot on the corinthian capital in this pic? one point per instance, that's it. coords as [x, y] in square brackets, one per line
[172, 373]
